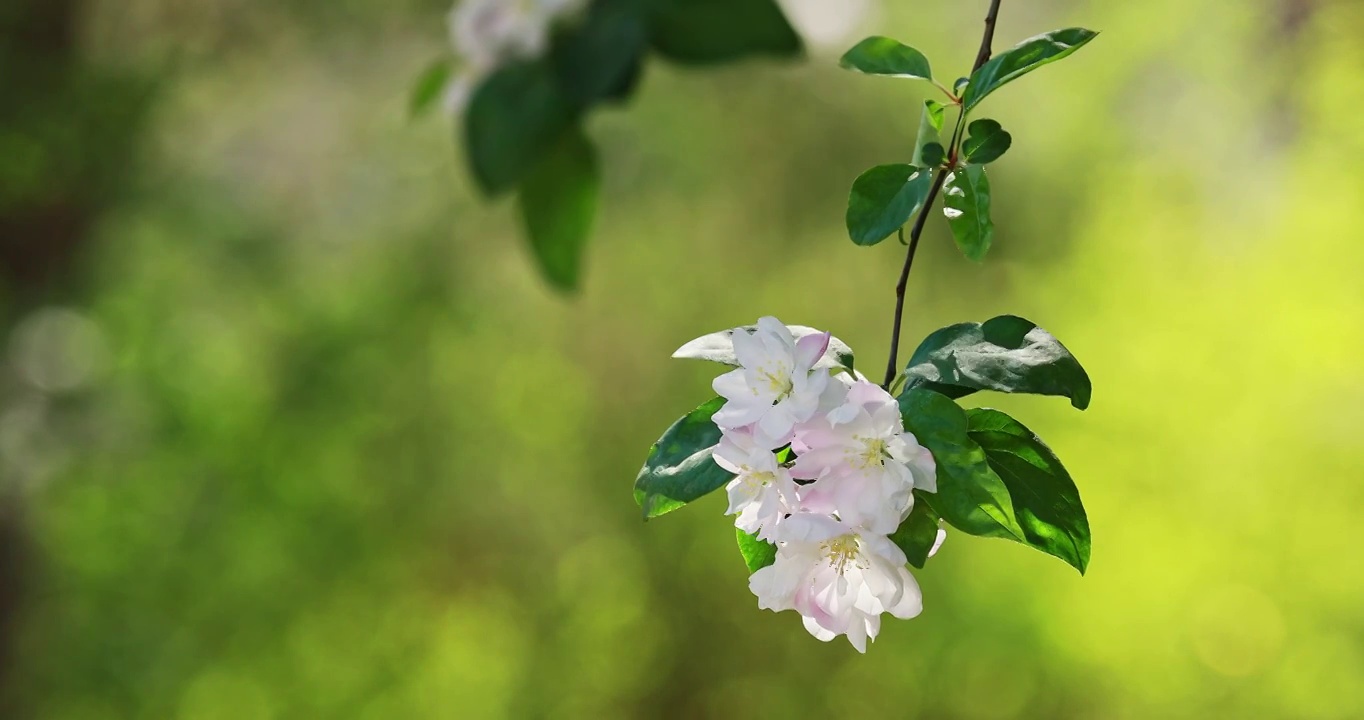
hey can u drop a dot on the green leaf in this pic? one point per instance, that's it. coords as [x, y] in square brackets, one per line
[918, 532]
[680, 468]
[966, 201]
[557, 201]
[1005, 354]
[758, 554]
[883, 199]
[426, 91]
[719, 347]
[930, 124]
[933, 114]
[1023, 58]
[884, 56]
[970, 496]
[987, 142]
[516, 116]
[704, 32]
[932, 154]
[599, 57]
[1045, 499]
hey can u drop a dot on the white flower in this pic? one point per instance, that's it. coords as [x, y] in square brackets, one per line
[839, 578]
[828, 24]
[763, 493]
[776, 385]
[486, 34]
[865, 466]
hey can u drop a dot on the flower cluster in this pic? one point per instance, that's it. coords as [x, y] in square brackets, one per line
[487, 34]
[825, 471]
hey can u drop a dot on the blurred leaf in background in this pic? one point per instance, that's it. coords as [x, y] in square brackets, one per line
[344, 454]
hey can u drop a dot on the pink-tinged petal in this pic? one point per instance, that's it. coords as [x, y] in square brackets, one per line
[921, 464]
[748, 349]
[816, 462]
[885, 416]
[818, 498]
[819, 633]
[810, 349]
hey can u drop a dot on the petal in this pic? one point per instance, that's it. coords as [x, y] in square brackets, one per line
[810, 349]
[937, 543]
[816, 462]
[911, 601]
[737, 413]
[773, 327]
[739, 496]
[816, 630]
[732, 385]
[812, 528]
[777, 424]
[748, 350]
[857, 634]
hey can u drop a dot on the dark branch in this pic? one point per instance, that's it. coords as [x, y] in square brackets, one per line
[986, 42]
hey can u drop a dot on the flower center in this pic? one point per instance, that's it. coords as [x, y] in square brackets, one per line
[842, 552]
[873, 452]
[778, 381]
[756, 481]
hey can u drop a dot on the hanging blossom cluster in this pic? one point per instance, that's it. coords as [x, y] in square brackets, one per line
[487, 34]
[825, 471]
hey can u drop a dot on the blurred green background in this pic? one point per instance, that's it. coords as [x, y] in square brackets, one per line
[290, 427]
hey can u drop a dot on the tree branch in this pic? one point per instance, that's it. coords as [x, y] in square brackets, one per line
[983, 56]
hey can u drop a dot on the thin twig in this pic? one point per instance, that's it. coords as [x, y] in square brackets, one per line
[983, 56]
[987, 41]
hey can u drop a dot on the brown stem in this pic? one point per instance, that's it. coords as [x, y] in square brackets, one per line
[986, 42]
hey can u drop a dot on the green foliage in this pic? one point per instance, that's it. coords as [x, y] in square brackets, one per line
[426, 91]
[971, 497]
[987, 141]
[1005, 354]
[557, 202]
[918, 532]
[1045, 499]
[706, 32]
[932, 154]
[883, 199]
[599, 57]
[967, 199]
[719, 347]
[527, 115]
[516, 116]
[933, 115]
[930, 125]
[758, 554]
[884, 56]
[679, 468]
[1021, 59]
[995, 479]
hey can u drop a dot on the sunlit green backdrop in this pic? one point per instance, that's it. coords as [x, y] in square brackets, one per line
[302, 434]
